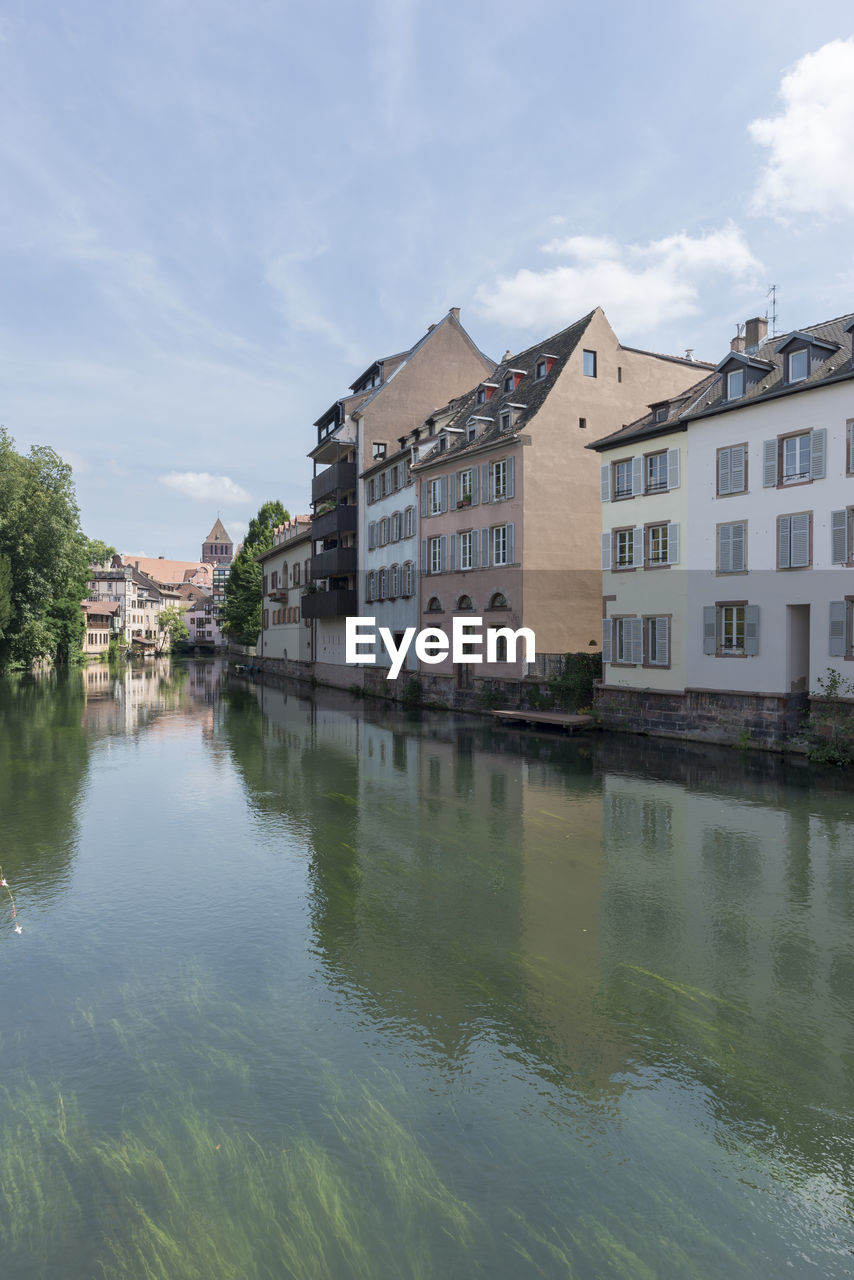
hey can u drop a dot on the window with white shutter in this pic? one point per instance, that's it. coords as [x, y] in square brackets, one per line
[731, 630]
[627, 641]
[794, 541]
[732, 470]
[849, 447]
[732, 547]
[841, 523]
[840, 628]
[657, 641]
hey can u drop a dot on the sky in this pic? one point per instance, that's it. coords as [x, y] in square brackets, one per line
[216, 214]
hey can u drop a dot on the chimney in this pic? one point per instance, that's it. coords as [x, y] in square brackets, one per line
[755, 331]
[737, 343]
[689, 353]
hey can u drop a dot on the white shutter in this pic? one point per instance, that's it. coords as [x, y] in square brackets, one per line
[673, 468]
[851, 446]
[511, 476]
[634, 627]
[637, 476]
[838, 610]
[769, 464]
[818, 453]
[606, 639]
[724, 484]
[725, 548]
[800, 551]
[737, 471]
[751, 629]
[637, 548]
[485, 492]
[838, 537]
[606, 551]
[605, 481]
[784, 541]
[710, 629]
[673, 544]
[738, 548]
[662, 642]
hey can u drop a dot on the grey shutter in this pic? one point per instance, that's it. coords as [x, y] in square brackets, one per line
[424, 561]
[484, 548]
[635, 630]
[673, 468]
[838, 610]
[475, 476]
[424, 488]
[673, 544]
[511, 476]
[606, 551]
[606, 639]
[769, 464]
[724, 483]
[784, 541]
[751, 629]
[637, 476]
[368, 586]
[838, 537]
[661, 657]
[851, 446]
[485, 494]
[443, 492]
[710, 629]
[738, 557]
[443, 553]
[800, 556]
[818, 453]
[737, 455]
[725, 548]
[452, 552]
[452, 490]
[511, 539]
[637, 548]
[372, 535]
[474, 542]
[605, 481]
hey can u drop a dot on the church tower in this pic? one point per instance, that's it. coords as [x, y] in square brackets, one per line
[217, 547]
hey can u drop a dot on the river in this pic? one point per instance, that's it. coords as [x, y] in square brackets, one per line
[310, 987]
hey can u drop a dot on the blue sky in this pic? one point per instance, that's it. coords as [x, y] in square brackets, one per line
[216, 214]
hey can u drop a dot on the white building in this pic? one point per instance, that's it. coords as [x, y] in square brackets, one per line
[285, 634]
[728, 533]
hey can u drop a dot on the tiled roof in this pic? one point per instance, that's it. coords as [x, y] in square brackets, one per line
[218, 533]
[101, 606]
[161, 570]
[530, 392]
[646, 427]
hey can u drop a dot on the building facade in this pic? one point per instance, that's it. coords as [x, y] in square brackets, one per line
[286, 567]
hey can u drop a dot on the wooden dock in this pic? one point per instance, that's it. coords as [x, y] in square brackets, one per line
[554, 719]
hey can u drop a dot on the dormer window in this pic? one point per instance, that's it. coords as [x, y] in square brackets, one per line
[485, 390]
[661, 413]
[735, 384]
[504, 422]
[540, 371]
[471, 431]
[481, 395]
[512, 378]
[543, 366]
[799, 365]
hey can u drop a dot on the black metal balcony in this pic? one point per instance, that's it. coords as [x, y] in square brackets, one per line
[338, 520]
[341, 475]
[334, 563]
[330, 604]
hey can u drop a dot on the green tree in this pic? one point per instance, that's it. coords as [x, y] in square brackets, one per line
[173, 628]
[242, 612]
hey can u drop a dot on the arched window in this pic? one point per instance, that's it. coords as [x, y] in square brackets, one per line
[498, 601]
[464, 602]
[434, 605]
[383, 584]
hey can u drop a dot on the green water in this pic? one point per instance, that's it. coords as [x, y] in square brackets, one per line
[309, 988]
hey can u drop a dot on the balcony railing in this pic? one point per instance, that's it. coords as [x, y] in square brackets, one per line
[329, 604]
[338, 520]
[341, 475]
[334, 563]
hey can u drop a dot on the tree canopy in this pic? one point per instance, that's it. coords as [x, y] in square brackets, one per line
[242, 612]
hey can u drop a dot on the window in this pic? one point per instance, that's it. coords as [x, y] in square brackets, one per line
[628, 641]
[732, 547]
[498, 601]
[502, 544]
[434, 605]
[849, 447]
[504, 422]
[540, 370]
[296, 573]
[657, 541]
[471, 432]
[384, 523]
[372, 535]
[465, 546]
[732, 470]
[627, 544]
[382, 584]
[464, 602]
[395, 526]
[435, 545]
[394, 588]
[409, 578]
[481, 396]
[465, 487]
[500, 642]
[842, 536]
[623, 478]
[656, 641]
[656, 472]
[735, 384]
[794, 459]
[661, 413]
[582, 424]
[589, 364]
[794, 541]
[499, 479]
[731, 629]
[799, 365]
[436, 497]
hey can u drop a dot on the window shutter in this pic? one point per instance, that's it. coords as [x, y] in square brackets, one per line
[484, 548]
[372, 535]
[452, 552]
[606, 551]
[452, 490]
[485, 495]
[662, 642]
[605, 481]
[800, 549]
[737, 468]
[818, 453]
[710, 629]
[673, 544]
[443, 492]
[769, 464]
[475, 476]
[368, 596]
[838, 610]
[784, 541]
[474, 544]
[673, 468]
[851, 446]
[606, 639]
[425, 485]
[443, 553]
[751, 629]
[637, 548]
[738, 558]
[511, 538]
[838, 537]
[424, 555]
[637, 476]
[725, 548]
[635, 629]
[511, 476]
[724, 485]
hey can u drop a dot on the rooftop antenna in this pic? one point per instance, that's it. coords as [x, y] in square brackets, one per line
[772, 294]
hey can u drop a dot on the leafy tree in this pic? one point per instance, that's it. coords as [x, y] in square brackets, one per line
[242, 612]
[173, 628]
[5, 594]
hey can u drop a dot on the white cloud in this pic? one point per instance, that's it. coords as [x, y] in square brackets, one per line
[204, 486]
[639, 287]
[811, 142]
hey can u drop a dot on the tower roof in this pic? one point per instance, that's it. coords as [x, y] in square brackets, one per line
[218, 533]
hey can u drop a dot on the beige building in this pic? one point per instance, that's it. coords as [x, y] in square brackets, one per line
[285, 634]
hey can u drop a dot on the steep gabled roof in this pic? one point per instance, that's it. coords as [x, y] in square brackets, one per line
[218, 533]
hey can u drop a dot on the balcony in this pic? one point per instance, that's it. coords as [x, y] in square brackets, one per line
[338, 520]
[334, 563]
[329, 604]
[279, 594]
[341, 475]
